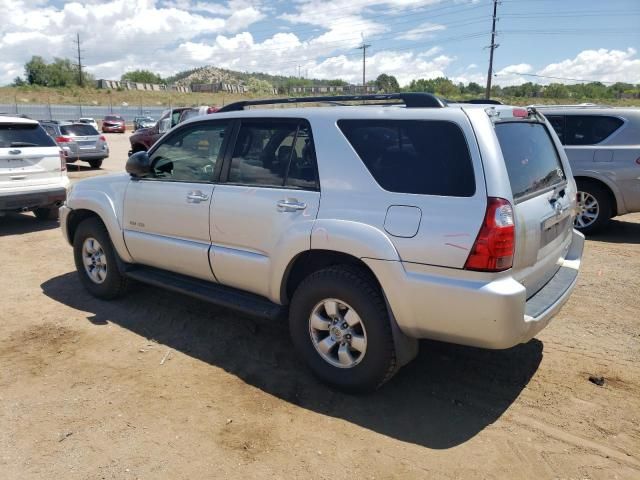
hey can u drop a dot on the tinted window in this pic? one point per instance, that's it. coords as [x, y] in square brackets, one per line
[557, 122]
[414, 156]
[190, 154]
[302, 166]
[78, 130]
[24, 135]
[273, 153]
[531, 158]
[589, 129]
[112, 118]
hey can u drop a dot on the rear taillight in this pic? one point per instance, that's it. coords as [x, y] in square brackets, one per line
[103, 138]
[63, 162]
[494, 247]
[63, 139]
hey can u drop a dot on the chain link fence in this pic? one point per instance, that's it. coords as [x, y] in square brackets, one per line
[74, 112]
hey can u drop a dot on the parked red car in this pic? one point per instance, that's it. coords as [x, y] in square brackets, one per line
[143, 138]
[113, 123]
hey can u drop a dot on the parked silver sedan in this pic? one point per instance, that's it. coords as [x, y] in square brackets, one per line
[79, 142]
[603, 147]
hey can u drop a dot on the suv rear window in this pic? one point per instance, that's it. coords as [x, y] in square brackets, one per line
[426, 157]
[24, 135]
[78, 130]
[531, 158]
[589, 129]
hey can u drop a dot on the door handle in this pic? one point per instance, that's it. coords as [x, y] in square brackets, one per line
[291, 205]
[196, 197]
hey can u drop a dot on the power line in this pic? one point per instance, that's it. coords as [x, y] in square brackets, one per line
[561, 78]
[492, 47]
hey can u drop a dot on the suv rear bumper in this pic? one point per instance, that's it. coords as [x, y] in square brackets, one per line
[31, 199]
[461, 309]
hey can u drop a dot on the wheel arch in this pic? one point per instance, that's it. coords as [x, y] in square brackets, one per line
[616, 202]
[309, 261]
[98, 204]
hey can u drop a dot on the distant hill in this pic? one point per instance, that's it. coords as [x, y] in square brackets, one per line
[210, 74]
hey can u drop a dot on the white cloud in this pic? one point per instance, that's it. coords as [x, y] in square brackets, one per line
[601, 65]
[423, 30]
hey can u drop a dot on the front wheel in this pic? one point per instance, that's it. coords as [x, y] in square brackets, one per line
[340, 326]
[96, 262]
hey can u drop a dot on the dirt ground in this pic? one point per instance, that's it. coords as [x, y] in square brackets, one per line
[158, 385]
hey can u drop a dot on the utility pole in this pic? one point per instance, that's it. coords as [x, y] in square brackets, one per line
[364, 47]
[77, 42]
[299, 67]
[492, 47]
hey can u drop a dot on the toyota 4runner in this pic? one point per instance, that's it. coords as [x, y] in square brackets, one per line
[371, 226]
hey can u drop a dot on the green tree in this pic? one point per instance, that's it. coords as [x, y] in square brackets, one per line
[556, 90]
[259, 86]
[474, 89]
[61, 73]
[387, 83]
[142, 76]
[18, 82]
[36, 71]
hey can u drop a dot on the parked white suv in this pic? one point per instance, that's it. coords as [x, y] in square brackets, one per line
[33, 170]
[372, 226]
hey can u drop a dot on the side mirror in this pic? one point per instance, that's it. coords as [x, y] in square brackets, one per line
[164, 125]
[139, 165]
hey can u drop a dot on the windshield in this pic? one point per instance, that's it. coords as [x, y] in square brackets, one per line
[24, 135]
[78, 130]
[113, 118]
[531, 157]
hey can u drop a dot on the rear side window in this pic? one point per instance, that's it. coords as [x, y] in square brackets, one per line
[531, 158]
[274, 154]
[589, 129]
[78, 130]
[557, 122]
[24, 135]
[427, 157]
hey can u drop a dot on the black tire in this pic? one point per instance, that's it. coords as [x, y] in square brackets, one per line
[605, 208]
[354, 286]
[114, 284]
[46, 213]
[95, 163]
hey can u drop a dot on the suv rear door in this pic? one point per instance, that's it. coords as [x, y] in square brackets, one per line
[267, 201]
[543, 199]
[28, 156]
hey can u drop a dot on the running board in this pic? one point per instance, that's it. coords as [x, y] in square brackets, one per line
[243, 302]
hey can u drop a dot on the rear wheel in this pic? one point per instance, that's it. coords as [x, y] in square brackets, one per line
[96, 262]
[340, 326]
[95, 163]
[593, 205]
[46, 213]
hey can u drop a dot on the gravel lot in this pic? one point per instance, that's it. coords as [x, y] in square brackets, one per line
[158, 385]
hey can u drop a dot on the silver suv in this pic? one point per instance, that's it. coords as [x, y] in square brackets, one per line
[371, 226]
[603, 147]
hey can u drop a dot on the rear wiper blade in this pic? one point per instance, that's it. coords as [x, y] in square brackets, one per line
[23, 144]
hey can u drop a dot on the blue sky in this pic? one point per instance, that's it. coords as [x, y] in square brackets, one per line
[588, 39]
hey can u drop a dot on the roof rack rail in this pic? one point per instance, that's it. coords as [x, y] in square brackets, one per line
[410, 100]
[477, 101]
[574, 105]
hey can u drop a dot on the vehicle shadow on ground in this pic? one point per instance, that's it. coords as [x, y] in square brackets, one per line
[445, 397]
[19, 223]
[618, 231]
[79, 167]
